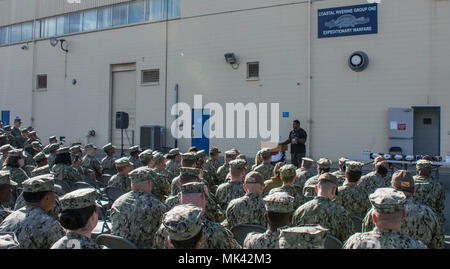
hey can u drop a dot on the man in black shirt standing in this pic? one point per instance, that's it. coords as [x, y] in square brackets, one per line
[297, 139]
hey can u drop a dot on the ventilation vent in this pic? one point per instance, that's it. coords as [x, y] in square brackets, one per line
[42, 82]
[253, 70]
[150, 76]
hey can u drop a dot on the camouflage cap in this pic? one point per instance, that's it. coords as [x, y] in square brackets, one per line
[238, 164]
[324, 163]
[2, 136]
[288, 171]
[141, 174]
[343, 160]
[158, 157]
[53, 146]
[39, 183]
[51, 138]
[307, 160]
[39, 157]
[5, 148]
[8, 240]
[189, 156]
[108, 146]
[387, 200]
[32, 133]
[90, 146]
[134, 149]
[402, 180]
[423, 164]
[280, 202]
[183, 222]
[265, 153]
[75, 149]
[230, 154]
[16, 153]
[7, 128]
[189, 171]
[304, 237]
[200, 154]
[5, 178]
[328, 177]
[354, 166]
[146, 155]
[254, 178]
[122, 162]
[379, 159]
[174, 152]
[214, 150]
[24, 130]
[62, 150]
[80, 198]
[193, 187]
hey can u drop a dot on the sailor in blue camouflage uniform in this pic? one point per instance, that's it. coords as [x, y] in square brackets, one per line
[235, 188]
[137, 214]
[108, 161]
[288, 174]
[6, 185]
[389, 211]
[305, 172]
[121, 179]
[323, 166]
[79, 217]
[31, 224]
[279, 209]
[215, 236]
[134, 157]
[266, 168]
[340, 173]
[421, 222]
[223, 170]
[249, 209]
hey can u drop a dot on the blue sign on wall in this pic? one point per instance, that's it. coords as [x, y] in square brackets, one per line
[349, 20]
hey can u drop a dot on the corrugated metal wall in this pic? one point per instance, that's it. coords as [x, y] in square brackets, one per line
[15, 11]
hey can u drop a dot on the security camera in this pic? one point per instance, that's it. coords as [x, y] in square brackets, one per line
[24, 47]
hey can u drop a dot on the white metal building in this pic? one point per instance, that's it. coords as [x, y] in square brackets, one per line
[126, 56]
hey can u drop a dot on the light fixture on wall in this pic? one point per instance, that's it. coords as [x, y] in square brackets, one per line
[231, 59]
[54, 41]
[24, 47]
[358, 61]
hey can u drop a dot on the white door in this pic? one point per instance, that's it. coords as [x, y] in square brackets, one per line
[123, 100]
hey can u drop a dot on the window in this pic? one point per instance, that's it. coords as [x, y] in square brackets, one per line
[155, 10]
[27, 31]
[150, 76]
[104, 18]
[37, 29]
[4, 35]
[90, 20]
[16, 33]
[48, 27]
[119, 14]
[136, 11]
[62, 25]
[75, 22]
[41, 81]
[253, 70]
[174, 8]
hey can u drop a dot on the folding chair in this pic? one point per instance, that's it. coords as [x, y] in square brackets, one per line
[240, 231]
[114, 242]
[331, 242]
[357, 223]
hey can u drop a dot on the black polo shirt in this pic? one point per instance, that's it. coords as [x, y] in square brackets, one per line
[297, 147]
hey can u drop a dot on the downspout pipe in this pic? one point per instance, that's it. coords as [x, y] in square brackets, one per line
[309, 81]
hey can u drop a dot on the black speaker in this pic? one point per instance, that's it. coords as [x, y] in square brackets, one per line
[121, 120]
